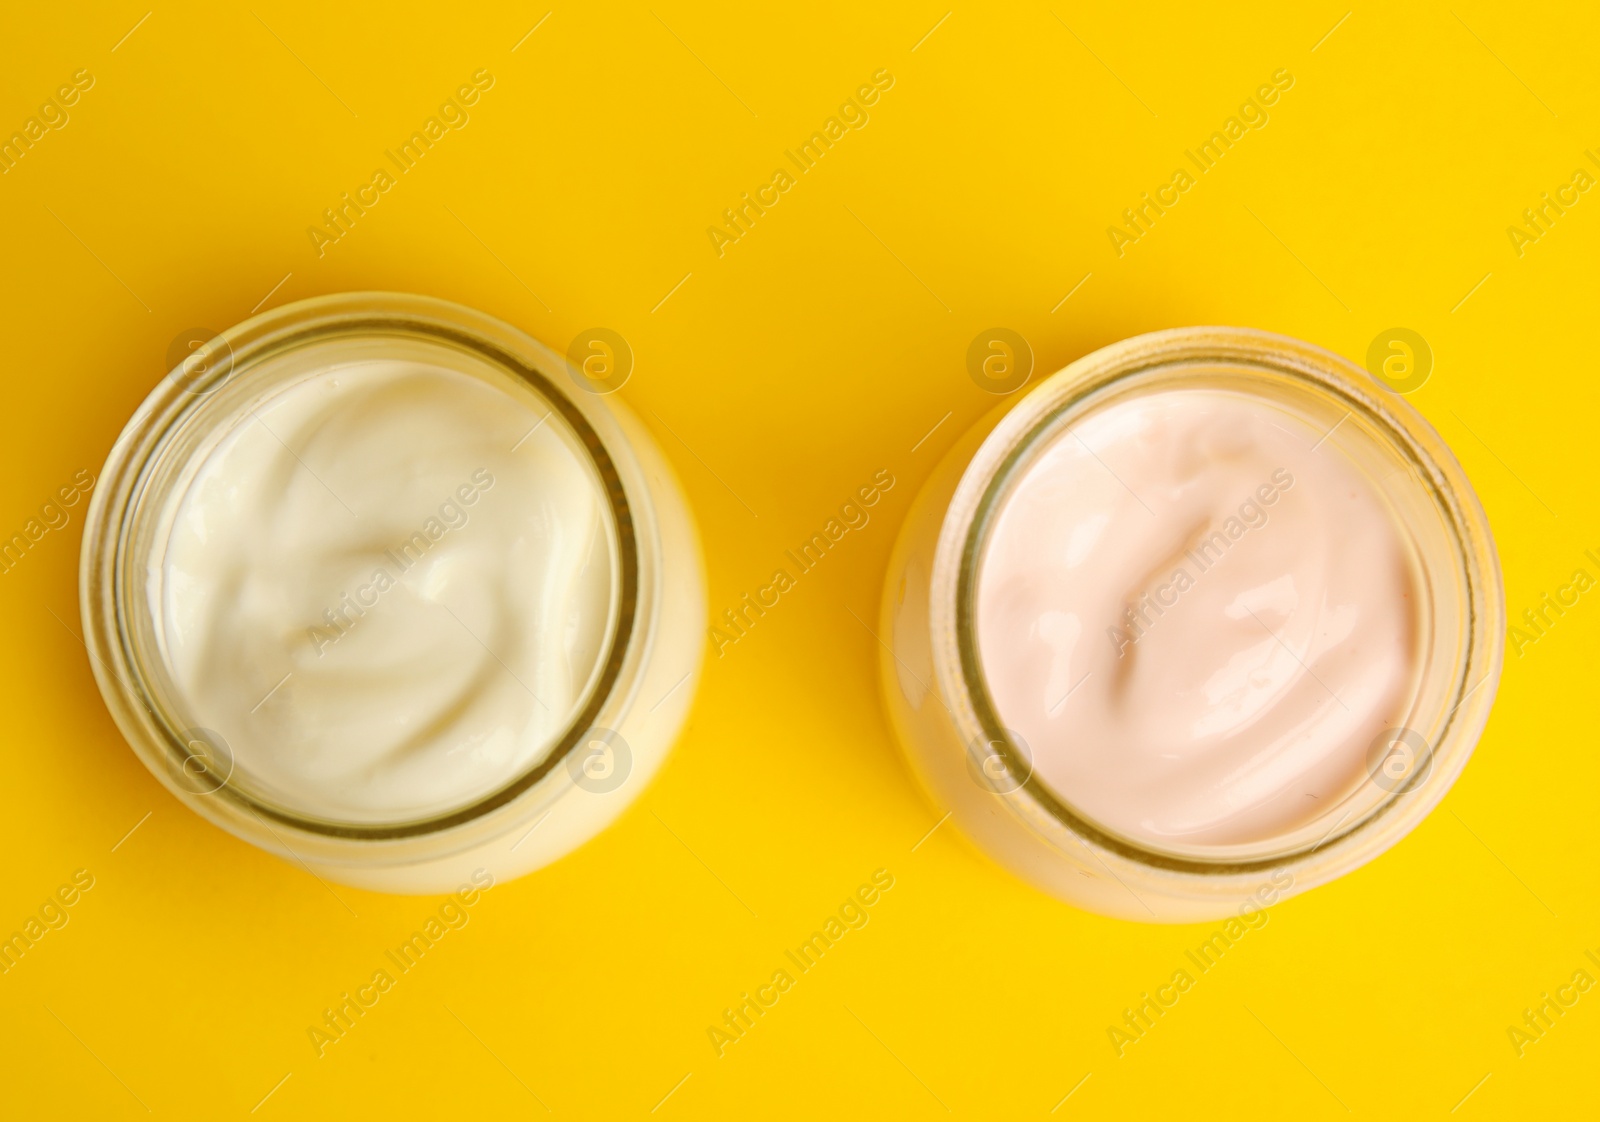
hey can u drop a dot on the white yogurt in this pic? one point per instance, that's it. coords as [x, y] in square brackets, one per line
[388, 590]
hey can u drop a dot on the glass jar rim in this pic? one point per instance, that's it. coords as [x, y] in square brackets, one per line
[111, 578]
[1034, 423]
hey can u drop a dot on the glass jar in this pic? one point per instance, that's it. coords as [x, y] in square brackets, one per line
[940, 701]
[630, 699]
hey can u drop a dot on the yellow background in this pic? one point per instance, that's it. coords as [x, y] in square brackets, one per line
[819, 349]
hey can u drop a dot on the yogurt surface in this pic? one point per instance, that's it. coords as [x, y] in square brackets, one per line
[388, 588]
[1198, 615]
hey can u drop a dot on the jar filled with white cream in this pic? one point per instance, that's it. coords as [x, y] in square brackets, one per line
[376, 583]
[1206, 619]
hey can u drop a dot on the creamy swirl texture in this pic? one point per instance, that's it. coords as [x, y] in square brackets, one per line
[1198, 615]
[387, 589]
